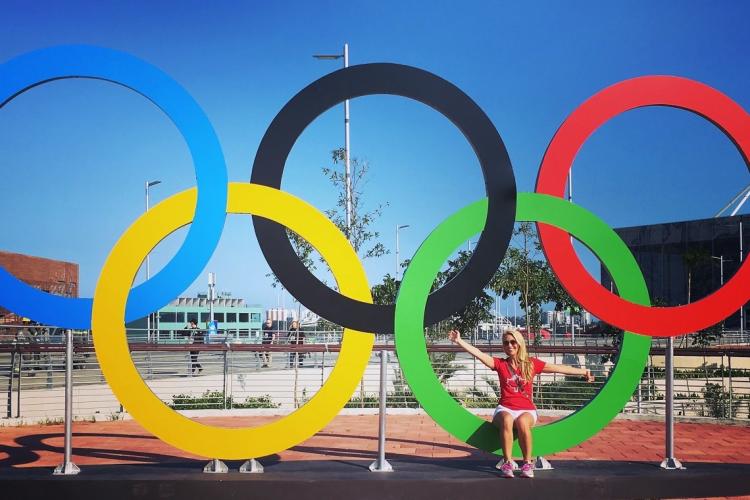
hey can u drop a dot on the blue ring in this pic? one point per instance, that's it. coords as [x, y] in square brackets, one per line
[35, 68]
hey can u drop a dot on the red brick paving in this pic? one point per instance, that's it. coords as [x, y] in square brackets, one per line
[355, 437]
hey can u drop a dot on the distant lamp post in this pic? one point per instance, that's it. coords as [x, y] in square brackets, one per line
[398, 262]
[347, 175]
[722, 260]
[149, 185]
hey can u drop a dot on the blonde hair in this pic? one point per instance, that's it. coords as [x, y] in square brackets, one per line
[524, 363]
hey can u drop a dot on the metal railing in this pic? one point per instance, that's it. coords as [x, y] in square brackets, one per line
[712, 382]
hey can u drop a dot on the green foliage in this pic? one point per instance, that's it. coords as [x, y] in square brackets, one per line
[264, 401]
[392, 400]
[615, 340]
[705, 370]
[442, 363]
[402, 396]
[717, 401]
[362, 237]
[385, 292]
[564, 395]
[214, 400]
[477, 310]
[475, 398]
[705, 337]
[525, 273]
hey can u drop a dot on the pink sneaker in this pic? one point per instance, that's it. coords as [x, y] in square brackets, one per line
[527, 470]
[507, 470]
[499, 465]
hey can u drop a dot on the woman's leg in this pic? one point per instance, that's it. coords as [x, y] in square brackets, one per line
[523, 429]
[504, 422]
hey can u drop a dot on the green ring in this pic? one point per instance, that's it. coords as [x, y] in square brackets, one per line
[412, 350]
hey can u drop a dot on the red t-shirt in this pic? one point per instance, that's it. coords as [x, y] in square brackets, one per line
[515, 393]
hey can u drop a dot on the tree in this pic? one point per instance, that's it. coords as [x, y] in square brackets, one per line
[524, 273]
[476, 311]
[385, 292]
[363, 238]
[361, 235]
[466, 320]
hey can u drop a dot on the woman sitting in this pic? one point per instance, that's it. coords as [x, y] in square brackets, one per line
[516, 408]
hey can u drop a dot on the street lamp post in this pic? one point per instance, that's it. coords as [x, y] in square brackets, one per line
[347, 174]
[211, 296]
[398, 262]
[721, 260]
[742, 306]
[149, 184]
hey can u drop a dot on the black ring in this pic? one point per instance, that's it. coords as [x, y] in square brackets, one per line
[441, 95]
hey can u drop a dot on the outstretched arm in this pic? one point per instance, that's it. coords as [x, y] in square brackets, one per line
[455, 337]
[569, 370]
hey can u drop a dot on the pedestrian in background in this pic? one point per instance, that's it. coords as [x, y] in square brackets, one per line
[196, 336]
[296, 337]
[269, 337]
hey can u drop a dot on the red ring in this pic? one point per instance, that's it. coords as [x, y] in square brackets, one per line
[610, 102]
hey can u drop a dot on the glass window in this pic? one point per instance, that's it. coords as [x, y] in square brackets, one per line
[255, 317]
[231, 317]
[219, 317]
[204, 317]
[243, 317]
[167, 317]
[192, 317]
[180, 317]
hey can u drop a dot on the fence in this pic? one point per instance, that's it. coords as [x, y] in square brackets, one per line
[712, 382]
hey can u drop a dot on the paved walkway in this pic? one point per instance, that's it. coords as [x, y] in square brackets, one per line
[410, 437]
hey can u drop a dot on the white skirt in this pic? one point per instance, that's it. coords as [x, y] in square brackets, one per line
[514, 413]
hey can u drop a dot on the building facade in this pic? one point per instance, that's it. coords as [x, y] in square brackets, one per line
[685, 261]
[237, 321]
[52, 276]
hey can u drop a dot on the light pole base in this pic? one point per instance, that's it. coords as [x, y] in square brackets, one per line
[380, 466]
[66, 469]
[251, 466]
[542, 464]
[216, 466]
[671, 463]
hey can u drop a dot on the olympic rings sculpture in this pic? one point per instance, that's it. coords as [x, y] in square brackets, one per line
[205, 208]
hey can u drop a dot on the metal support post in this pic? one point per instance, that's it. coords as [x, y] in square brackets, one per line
[638, 396]
[251, 466]
[18, 389]
[381, 464]
[216, 466]
[730, 385]
[742, 307]
[323, 367]
[68, 467]
[11, 375]
[670, 462]
[542, 464]
[226, 373]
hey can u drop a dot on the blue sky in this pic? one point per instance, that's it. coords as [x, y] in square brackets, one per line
[75, 153]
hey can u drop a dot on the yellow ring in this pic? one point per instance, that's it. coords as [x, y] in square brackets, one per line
[117, 366]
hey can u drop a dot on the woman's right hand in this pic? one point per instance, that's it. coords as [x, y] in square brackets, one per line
[454, 336]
